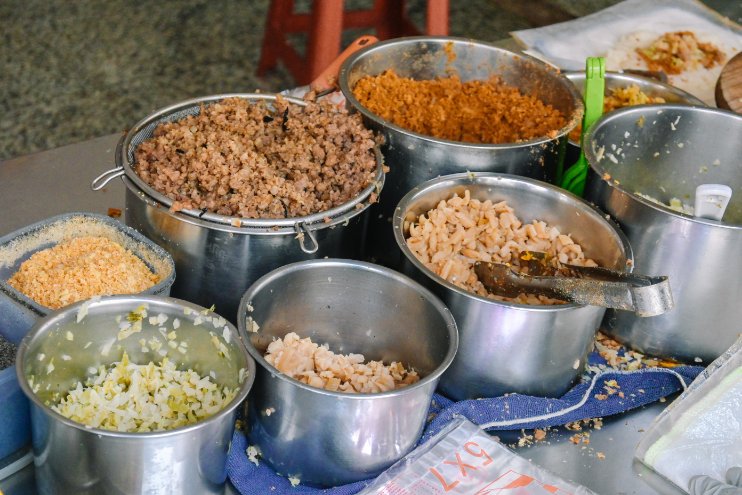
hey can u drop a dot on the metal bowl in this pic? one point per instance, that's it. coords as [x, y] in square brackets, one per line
[620, 80]
[331, 438]
[414, 158]
[665, 151]
[187, 460]
[18, 312]
[507, 347]
[217, 257]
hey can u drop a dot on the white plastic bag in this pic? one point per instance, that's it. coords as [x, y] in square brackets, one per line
[463, 459]
[700, 433]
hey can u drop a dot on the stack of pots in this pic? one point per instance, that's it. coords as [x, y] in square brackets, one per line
[217, 257]
[414, 158]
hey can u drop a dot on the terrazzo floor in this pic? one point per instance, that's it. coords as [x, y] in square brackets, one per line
[71, 71]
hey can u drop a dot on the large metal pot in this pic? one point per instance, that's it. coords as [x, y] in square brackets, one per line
[331, 438]
[414, 158]
[507, 347]
[665, 151]
[217, 257]
[72, 458]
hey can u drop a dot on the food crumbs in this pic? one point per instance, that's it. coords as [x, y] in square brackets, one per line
[252, 454]
[294, 480]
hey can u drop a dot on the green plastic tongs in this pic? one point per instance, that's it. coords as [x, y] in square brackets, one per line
[574, 178]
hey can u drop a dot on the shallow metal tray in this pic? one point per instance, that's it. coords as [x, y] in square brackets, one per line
[18, 313]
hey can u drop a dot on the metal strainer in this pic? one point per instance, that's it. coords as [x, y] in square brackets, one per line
[144, 130]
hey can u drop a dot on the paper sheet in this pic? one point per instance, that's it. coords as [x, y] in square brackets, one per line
[603, 33]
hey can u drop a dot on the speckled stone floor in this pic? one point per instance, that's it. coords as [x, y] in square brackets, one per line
[71, 71]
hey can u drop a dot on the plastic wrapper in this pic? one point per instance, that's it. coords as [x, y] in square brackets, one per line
[463, 459]
[700, 433]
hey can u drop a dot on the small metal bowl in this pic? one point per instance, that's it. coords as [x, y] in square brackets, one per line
[186, 460]
[507, 347]
[18, 312]
[330, 438]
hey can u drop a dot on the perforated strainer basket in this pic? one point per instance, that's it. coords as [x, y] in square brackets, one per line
[144, 130]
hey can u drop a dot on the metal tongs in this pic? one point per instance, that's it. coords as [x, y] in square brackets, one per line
[595, 286]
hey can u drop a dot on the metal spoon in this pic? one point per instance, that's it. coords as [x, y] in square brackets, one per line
[645, 296]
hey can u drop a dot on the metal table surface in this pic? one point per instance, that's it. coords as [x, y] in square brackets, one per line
[48, 183]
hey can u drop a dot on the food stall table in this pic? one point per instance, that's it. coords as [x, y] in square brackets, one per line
[48, 183]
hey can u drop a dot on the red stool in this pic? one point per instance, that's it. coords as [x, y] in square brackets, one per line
[324, 25]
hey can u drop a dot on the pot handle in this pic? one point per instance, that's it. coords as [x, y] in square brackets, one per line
[106, 177]
[302, 232]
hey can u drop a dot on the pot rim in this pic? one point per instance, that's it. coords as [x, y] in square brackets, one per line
[337, 214]
[42, 326]
[243, 313]
[472, 177]
[347, 91]
[591, 156]
[629, 78]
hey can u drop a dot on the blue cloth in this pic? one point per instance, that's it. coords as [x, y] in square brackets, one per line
[596, 396]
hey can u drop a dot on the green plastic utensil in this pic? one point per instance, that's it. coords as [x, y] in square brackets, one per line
[574, 178]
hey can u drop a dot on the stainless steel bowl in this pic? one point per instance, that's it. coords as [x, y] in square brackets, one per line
[620, 80]
[414, 158]
[507, 347]
[330, 438]
[665, 151]
[72, 458]
[217, 257]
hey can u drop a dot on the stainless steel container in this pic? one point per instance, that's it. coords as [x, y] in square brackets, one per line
[18, 313]
[217, 257]
[331, 438]
[414, 158]
[72, 458]
[620, 80]
[665, 151]
[507, 347]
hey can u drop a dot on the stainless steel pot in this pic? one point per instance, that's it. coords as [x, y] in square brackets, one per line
[72, 458]
[507, 347]
[414, 158]
[665, 151]
[217, 257]
[331, 438]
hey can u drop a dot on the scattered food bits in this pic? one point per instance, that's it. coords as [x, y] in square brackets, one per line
[294, 480]
[252, 454]
[600, 456]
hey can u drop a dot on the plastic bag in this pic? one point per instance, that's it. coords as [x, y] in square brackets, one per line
[463, 459]
[701, 431]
